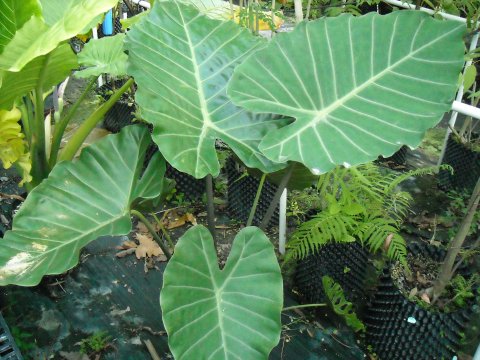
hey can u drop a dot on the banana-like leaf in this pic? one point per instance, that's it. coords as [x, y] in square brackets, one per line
[12, 144]
[79, 202]
[104, 55]
[36, 37]
[181, 61]
[358, 87]
[48, 69]
[232, 313]
[13, 14]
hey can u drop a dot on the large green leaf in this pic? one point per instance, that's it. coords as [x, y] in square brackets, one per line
[358, 87]
[79, 202]
[48, 69]
[181, 61]
[13, 14]
[37, 38]
[232, 313]
[104, 55]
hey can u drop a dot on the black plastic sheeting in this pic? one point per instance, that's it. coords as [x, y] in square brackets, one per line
[465, 163]
[8, 348]
[399, 329]
[346, 263]
[105, 293]
[242, 189]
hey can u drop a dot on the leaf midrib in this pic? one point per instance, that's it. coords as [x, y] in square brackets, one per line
[319, 116]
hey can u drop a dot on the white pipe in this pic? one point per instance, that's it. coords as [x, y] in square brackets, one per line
[407, 5]
[453, 118]
[282, 223]
[145, 4]
[465, 109]
[95, 36]
[477, 353]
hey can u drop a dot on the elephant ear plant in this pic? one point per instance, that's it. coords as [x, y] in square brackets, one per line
[35, 56]
[355, 88]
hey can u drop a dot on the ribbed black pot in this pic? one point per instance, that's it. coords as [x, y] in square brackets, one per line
[400, 329]
[465, 163]
[400, 157]
[192, 188]
[241, 193]
[8, 348]
[346, 263]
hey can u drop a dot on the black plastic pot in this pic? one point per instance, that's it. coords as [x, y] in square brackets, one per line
[8, 348]
[399, 158]
[465, 163]
[242, 189]
[398, 328]
[346, 263]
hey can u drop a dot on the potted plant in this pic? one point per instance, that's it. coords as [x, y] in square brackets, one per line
[434, 303]
[201, 79]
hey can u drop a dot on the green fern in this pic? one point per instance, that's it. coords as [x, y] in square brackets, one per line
[362, 203]
[339, 303]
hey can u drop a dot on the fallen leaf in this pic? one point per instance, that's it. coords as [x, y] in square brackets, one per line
[116, 312]
[425, 298]
[172, 222]
[387, 242]
[73, 356]
[146, 247]
[413, 292]
[124, 253]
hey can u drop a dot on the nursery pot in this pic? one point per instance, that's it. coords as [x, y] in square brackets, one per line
[398, 158]
[8, 348]
[241, 191]
[398, 328]
[465, 163]
[346, 263]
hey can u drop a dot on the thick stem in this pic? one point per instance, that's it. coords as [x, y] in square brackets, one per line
[37, 144]
[62, 124]
[276, 198]
[152, 231]
[446, 270]
[89, 124]
[255, 201]
[302, 306]
[210, 207]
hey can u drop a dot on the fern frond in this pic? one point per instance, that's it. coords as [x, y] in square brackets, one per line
[340, 304]
[320, 230]
[430, 170]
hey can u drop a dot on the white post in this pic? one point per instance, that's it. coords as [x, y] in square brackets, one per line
[407, 5]
[145, 4]
[453, 118]
[95, 36]
[298, 10]
[282, 222]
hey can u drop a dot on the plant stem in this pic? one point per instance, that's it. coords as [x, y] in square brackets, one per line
[255, 201]
[152, 231]
[276, 198]
[446, 270]
[302, 306]
[210, 207]
[62, 124]
[164, 231]
[89, 124]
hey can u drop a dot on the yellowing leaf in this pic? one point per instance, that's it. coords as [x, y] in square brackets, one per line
[12, 144]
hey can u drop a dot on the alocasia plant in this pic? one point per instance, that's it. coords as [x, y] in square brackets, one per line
[356, 88]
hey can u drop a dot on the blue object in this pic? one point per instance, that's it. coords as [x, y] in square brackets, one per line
[107, 25]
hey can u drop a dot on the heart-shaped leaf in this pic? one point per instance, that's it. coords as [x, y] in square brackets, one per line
[79, 202]
[182, 61]
[104, 55]
[358, 87]
[232, 313]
